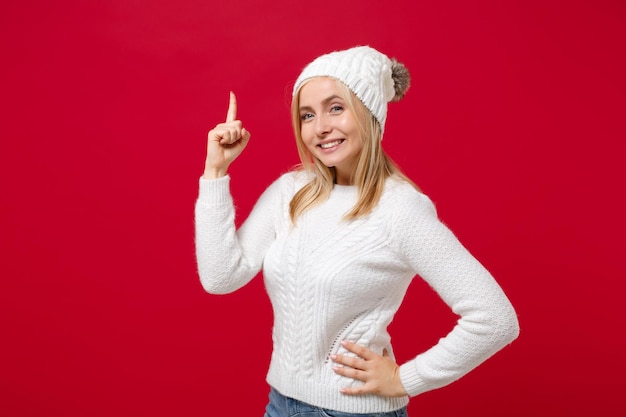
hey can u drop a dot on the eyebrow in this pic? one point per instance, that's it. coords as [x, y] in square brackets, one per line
[324, 102]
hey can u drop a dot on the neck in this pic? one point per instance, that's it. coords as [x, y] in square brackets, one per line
[342, 179]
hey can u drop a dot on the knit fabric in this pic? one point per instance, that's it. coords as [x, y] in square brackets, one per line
[331, 280]
[365, 71]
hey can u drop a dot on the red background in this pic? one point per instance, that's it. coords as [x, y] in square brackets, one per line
[513, 126]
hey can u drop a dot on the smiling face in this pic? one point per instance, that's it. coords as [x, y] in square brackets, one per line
[329, 127]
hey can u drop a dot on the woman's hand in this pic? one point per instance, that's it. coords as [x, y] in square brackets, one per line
[225, 142]
[380, 374]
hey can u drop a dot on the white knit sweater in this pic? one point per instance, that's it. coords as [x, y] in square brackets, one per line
[330, 280]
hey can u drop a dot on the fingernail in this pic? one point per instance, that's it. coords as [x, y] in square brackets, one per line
[344, 343]
[333, 357]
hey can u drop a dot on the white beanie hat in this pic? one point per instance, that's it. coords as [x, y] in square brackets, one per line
[370, 75]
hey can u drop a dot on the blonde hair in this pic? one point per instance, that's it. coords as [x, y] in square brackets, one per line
[373, 166]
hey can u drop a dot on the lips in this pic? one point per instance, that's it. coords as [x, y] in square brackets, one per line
[331, 144]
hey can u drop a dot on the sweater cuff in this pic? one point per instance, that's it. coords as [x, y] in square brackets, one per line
[411, 380]
[215, 192]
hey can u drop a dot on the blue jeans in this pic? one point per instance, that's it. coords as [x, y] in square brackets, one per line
[281, 406]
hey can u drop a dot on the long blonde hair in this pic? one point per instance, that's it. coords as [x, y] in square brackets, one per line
[373, 166]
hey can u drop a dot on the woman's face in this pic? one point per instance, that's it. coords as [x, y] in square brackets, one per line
[328, 127]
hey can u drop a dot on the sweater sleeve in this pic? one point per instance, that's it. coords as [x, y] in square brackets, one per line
[487, 321]
[228, 258]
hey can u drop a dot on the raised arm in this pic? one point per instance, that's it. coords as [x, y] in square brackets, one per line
[228, 258]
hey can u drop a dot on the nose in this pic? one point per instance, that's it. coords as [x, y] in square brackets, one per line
[322, 125]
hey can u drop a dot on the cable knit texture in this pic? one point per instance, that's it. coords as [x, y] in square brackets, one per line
[331, 280]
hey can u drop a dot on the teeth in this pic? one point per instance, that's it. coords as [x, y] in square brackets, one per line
[330, 144]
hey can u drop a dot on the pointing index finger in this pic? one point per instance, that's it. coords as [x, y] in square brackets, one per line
[232, 108]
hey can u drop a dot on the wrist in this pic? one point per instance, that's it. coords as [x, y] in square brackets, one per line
[213, 173]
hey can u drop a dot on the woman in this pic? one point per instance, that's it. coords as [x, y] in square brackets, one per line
[339, 241]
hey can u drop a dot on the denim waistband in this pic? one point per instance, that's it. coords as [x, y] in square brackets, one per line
[281, 406]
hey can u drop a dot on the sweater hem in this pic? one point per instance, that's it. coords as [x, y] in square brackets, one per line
[327, 396]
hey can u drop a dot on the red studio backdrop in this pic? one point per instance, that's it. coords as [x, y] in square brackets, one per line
[513, 126]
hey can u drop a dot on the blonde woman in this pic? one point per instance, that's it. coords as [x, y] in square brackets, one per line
[339, 241]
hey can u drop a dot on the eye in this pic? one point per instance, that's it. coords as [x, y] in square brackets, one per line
[306, 116]
[336, 108]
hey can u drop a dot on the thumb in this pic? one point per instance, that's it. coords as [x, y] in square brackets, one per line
[245, 134]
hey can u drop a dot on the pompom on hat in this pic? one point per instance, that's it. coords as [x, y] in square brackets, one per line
[370, 75]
